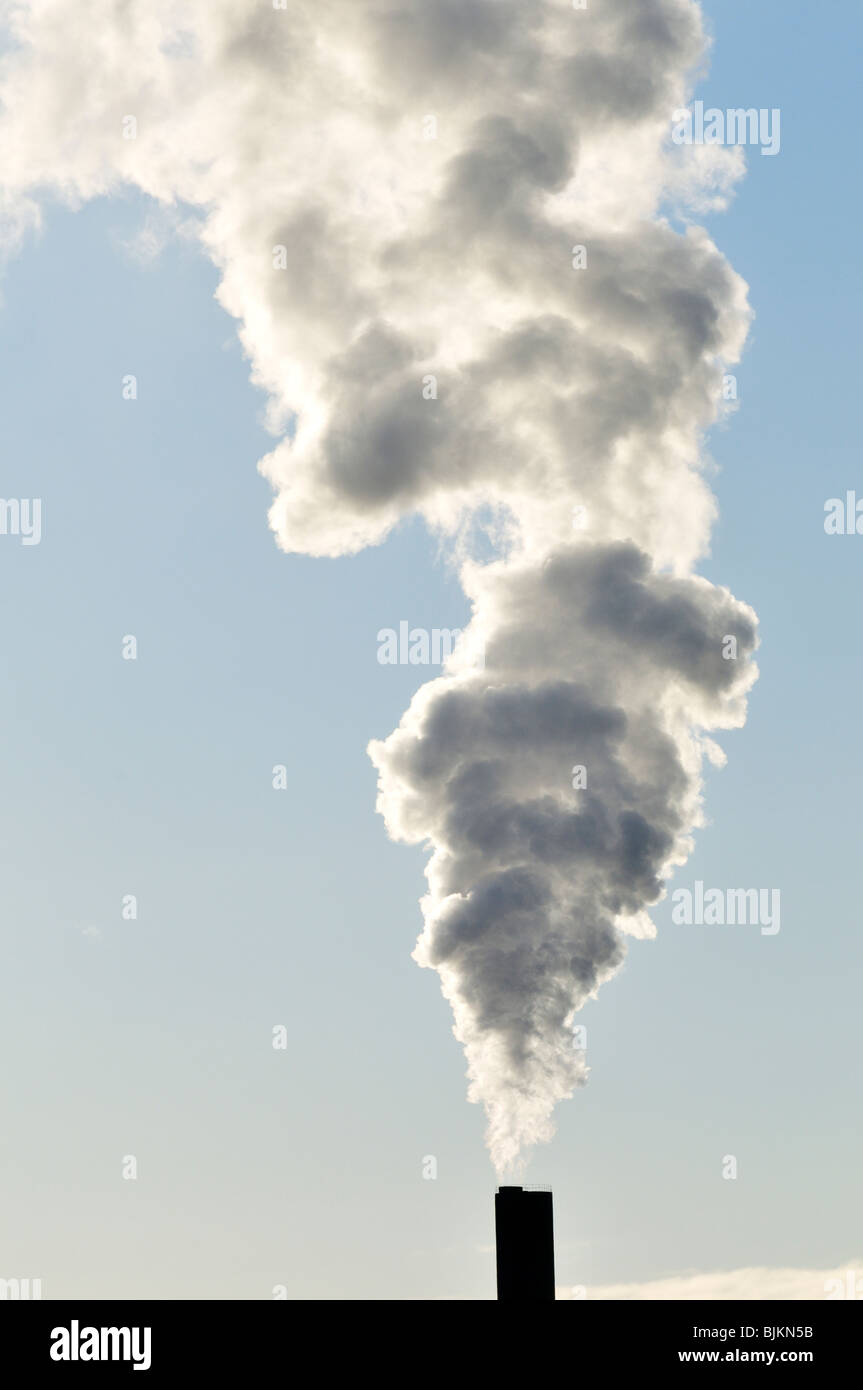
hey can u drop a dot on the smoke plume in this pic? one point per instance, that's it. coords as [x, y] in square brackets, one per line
[444, 229]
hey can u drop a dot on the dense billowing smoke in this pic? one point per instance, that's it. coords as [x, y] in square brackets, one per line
[443, 228]
[594, 663]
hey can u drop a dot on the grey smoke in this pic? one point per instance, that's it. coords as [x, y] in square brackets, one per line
[591, 657]
[429, 167]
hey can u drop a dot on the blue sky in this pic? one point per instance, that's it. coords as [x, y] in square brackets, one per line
[258, 907]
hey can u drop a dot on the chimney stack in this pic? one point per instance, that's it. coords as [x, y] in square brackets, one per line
[525, 1245]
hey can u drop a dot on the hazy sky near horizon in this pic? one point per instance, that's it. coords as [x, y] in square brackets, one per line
[303, 1167]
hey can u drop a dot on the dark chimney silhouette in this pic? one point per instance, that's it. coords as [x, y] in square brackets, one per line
[525, 1245]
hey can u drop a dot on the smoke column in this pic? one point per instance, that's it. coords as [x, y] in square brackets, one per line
[463, 255]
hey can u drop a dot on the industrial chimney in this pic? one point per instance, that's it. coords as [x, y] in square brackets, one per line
[525, 1245]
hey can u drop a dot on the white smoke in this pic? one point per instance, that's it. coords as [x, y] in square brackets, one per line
[394, 192]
